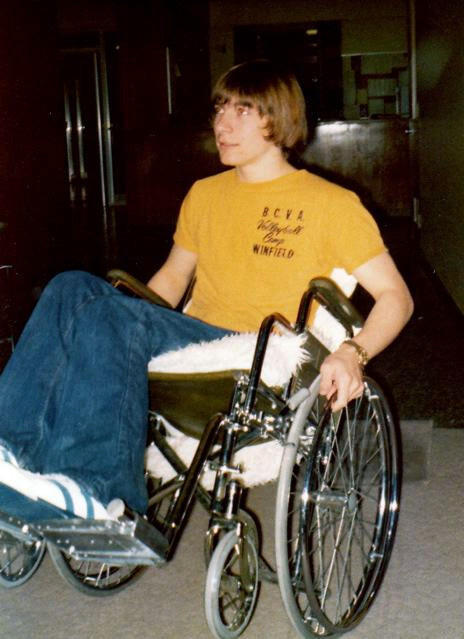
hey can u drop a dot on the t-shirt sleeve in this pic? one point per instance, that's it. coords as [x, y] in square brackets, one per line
[355, 237]
[185, 234]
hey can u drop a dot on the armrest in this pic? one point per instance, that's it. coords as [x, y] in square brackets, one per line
[329, 295]
[122, 279]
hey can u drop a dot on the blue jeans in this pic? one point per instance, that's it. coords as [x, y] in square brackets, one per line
[74, 395]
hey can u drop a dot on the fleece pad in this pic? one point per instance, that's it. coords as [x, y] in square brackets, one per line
[284, 354]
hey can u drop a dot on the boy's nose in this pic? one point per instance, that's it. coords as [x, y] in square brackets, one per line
[223, 121]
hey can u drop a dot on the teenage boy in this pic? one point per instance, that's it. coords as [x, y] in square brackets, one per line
[257, 234]
[73, 398]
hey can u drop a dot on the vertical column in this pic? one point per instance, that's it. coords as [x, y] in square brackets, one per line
[32, 150]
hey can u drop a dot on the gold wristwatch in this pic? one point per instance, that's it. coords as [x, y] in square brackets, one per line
[363, 356]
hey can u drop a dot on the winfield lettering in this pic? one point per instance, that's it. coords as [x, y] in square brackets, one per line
[272, 251]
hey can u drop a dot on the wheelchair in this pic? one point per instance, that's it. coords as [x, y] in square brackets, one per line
[337, 497]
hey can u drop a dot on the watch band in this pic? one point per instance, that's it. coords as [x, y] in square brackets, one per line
[363, 356]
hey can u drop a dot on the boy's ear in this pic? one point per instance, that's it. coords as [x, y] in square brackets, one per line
[265, 127]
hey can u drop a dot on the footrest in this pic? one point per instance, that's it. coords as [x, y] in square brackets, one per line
[18, 528]
[121, 542]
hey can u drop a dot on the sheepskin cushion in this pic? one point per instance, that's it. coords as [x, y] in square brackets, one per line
[284, 354]
[259, 464]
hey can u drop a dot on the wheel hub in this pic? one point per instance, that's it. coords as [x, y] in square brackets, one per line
[334, 499]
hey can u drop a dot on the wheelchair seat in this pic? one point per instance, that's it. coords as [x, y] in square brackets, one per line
[189, 385]
[184, 396]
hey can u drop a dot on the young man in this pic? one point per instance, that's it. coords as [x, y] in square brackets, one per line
[277, 227]
[73, 398]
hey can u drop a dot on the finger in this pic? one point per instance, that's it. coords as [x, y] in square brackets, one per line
[327, 386]
[326, 383]
[356, 389]
[327, 389]
[343, 393]
[359, 391]
[332, 392]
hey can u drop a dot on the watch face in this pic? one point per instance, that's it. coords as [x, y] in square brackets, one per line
[363, 357]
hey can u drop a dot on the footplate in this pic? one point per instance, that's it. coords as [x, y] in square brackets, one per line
[124, 541]
[18, 528]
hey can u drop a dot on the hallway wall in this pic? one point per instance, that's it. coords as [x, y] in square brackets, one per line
[440, 32]
[367, 24]
[32, 152]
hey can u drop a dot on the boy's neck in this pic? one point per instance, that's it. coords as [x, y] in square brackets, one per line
[268, 168]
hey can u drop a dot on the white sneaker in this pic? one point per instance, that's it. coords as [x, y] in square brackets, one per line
[58, 490]
[7, 455]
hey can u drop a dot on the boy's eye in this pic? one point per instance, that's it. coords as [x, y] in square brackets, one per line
[243, 110]
[218, 109]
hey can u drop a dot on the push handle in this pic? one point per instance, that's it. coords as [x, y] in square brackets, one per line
[120, 278]
[332, 298]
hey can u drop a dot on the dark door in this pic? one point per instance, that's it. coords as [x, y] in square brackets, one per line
[90, 132]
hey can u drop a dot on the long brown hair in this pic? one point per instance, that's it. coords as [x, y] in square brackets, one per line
[275, 92]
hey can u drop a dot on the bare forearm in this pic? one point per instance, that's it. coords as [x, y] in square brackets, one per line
[168, 285]
[341, 373]
[172, 279]
[388, 316]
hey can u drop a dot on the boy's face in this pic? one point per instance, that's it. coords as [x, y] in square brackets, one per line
[240, 133]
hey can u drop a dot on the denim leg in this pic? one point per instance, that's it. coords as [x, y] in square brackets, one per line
[32, 377]
[105, 393]
[74, 397]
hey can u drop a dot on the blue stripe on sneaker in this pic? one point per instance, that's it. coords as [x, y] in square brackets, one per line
[18, 505]
[69, 505]
[6, 455]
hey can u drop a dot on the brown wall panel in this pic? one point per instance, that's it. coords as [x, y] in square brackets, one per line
[371, 158]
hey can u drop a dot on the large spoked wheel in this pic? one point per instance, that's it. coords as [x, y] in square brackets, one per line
[232, 585]
[101, 579]
[337, 512]
[18, 559]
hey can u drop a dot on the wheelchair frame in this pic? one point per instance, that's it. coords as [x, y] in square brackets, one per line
[100, 556]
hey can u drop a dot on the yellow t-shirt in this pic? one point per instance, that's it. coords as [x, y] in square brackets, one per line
[259, 244]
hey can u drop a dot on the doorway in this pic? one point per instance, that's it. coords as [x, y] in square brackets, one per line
[94, 148]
